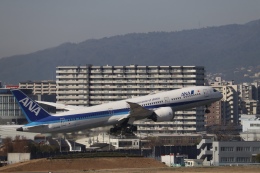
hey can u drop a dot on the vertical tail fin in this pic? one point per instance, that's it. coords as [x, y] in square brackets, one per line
[30, 108]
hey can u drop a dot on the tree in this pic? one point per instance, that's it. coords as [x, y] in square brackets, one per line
[257, 158]
[224, 133]
[20, 145]
[8, 146]
[153, 141]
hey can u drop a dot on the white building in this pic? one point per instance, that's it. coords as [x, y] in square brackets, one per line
[130, 142]
[220, 153]
[92, 85]
[250, 127]
[174, 160]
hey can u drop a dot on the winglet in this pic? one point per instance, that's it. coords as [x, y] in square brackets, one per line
[30, 108]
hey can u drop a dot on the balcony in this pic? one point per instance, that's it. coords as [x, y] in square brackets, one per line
[204, 153]
[203, 143]
[71, 92]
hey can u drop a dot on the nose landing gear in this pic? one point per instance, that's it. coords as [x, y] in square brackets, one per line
[207, 110]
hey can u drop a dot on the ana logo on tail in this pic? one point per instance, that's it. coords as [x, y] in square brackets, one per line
[31, 106]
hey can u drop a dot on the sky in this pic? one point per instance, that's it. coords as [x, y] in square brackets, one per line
[27, 26]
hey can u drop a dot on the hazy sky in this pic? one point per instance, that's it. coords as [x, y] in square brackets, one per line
[30, 25]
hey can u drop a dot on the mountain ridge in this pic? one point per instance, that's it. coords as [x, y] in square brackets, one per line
[218, 48]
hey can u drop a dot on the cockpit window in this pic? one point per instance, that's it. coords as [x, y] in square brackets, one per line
[214, 90]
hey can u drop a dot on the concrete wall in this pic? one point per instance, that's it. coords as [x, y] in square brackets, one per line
[18, 157]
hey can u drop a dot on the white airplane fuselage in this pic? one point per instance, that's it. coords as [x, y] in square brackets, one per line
[112, 113]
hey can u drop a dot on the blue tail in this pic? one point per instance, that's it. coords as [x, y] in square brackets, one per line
[30, 108]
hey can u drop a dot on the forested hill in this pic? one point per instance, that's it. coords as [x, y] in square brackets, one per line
[217, 48]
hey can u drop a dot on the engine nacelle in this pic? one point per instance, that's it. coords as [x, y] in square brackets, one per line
[162, 114]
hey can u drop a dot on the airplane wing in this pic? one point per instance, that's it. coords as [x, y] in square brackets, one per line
[138, 112]
[61, 106]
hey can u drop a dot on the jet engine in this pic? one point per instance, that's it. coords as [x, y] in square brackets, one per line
[162, 114]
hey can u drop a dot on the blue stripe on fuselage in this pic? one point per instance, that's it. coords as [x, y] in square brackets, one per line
[92, 115]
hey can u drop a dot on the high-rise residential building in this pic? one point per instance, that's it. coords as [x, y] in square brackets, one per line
[248, 91]
[248, 94]
[225, 111]
[250, 107]
[40, 87]
[92, 85]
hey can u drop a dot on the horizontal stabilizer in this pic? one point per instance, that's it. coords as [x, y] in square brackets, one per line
[61, 105]
[34, 128]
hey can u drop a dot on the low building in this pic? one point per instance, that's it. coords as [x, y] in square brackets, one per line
[250, 127]
[74, 146]
[221, 153]
[177, 139]
[125, 143]
[174, 160]
[64, 145]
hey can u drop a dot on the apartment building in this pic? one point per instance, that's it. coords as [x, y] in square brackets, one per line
[92, 85]
[248, 91]
[250, 107]
[225, 111]
[248, 95]
[40, 87]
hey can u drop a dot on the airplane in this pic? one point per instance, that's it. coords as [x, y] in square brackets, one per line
[157, 107]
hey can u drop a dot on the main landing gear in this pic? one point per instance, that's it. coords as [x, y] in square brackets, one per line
[126, 129]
